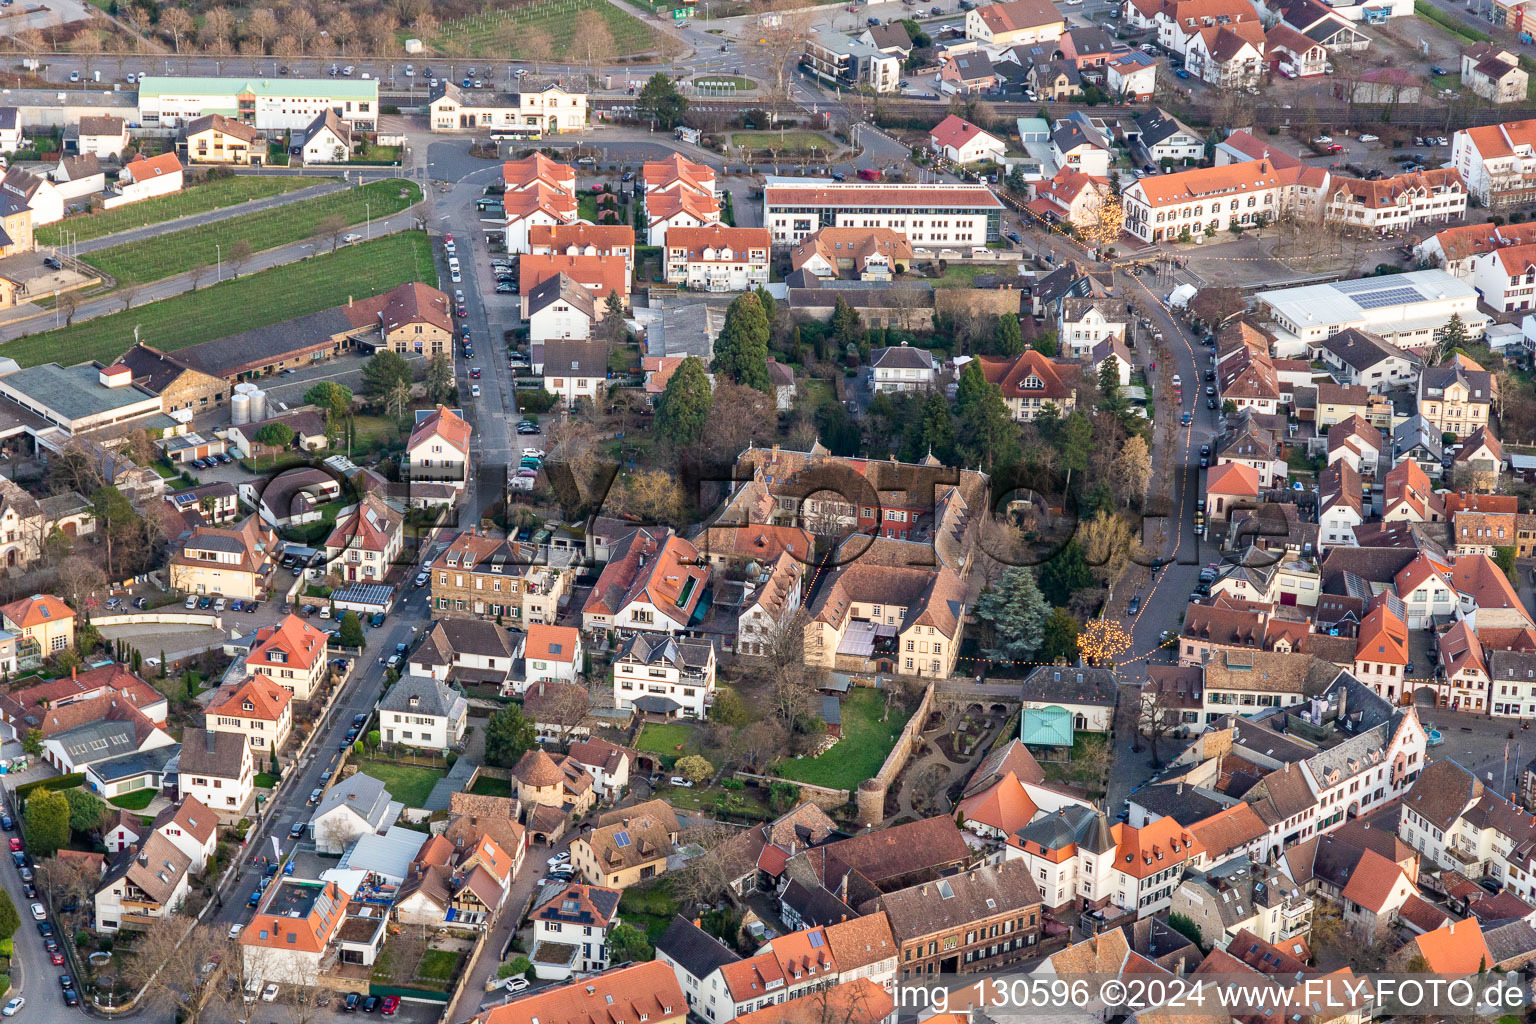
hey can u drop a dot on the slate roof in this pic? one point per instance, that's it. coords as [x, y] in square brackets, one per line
[692, 948]
[431, 697]
[557, 288]
[219, 754]
[1060, 684]
[982, 892]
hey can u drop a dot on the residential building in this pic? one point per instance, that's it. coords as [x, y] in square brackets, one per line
[270, 104]
[1132, 77]
[647, 990]
[1400, 202]
[144, 884]
[887, 618]
[559, 712]
[1497, 162]
[467, 652]
[961, 142]
[367, 541]
[258, 709]
[559, 308]
[926, 214]
[977, 920]
[581, 239]
[538, 107]
[717, 258]
[575, 370]
[1227, 56]
[10, 129]
[438, 450]
[771, 605]
[656, 673]
[552, 654]
[846, 62]
[76, 177]
[326, 140]
[143, 178]
[628, 846]
[1004, 25]
[1494, 73]
[1084, 323]
[1456, 398]
[1362, 359]
[104, 137]
[571, 923]
[42, 624]
[901, 368]
[533, 208]
[292, 930]
[1079, 144]
[1071, 197]
[357, 805]
[1030, 382]
[1165, 137]
[607, 764]
[494, 576]
[1212, 199]
[218, 771]
[872, 254]
[599, 275]
[653, 581]
[292, 654]
[191, 828]
[215, 139]
[419, 711]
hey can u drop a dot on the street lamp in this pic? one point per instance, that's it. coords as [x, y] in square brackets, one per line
[218, 263]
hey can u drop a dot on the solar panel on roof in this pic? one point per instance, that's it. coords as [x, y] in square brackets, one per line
[621, 839]
[816, 940]
[1389, 297]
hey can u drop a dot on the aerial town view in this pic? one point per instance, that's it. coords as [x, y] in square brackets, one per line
[768, 511]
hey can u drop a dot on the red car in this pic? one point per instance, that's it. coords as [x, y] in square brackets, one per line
[1335, 148]
[390, 1005]
[57, 958]
[462, 312]
[15, 844]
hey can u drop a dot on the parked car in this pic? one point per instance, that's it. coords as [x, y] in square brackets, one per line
[296, 830]
[314, 795]
[678, 780]
[350, 1003]
[1370, 138]
[13, 1007]
[372, 1002]
[71, 997]
[423, 578]
[389, 1006]
[39, 912]
[516, 984]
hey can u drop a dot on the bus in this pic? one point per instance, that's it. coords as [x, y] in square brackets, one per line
[515, 133]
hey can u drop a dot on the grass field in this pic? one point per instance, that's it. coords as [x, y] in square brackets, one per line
[960, 276]
[485, 785]
[862, 750]
[718, 81]
[181, 251]
[664, 740]
[788, 142]
[501, 33]
[135, 801]
[255, 300]
[215, 195]
[406, 783]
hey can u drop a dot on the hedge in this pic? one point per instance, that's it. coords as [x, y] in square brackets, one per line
[61, 782]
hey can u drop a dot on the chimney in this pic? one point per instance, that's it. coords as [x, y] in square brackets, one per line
[1179, 790]
[1343, 701]
[74, 672]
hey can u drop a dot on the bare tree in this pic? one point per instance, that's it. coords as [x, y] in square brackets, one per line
[218, 26]
[303, 27]
[1159, 715]
[535, 45]
[332, 226]
[568, 708]
[80, 580]
[176, 23]
[595, 40]
[239, 256]
[263, 25]
[168, 961]
[128, 293]
[196, 273]
[779, 33]
[343, 28]
[69, 305]
[706, 877]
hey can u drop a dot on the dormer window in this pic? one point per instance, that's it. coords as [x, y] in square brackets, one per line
[1033, 382]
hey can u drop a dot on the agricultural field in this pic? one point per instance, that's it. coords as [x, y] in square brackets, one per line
[506, 33]
[255, 300]
[213, 195]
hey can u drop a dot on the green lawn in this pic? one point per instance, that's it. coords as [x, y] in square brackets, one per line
[374, 154]
[438, 964]
[255, 300]
[213, 195]
[135, 801]
[501, 32]
[204, 245]
[406, 783]
[862, 750]
[649, 907]
[784, 142]
[487, 785]
[664, 740]
[266, 780]
[960, 276]
[720, 81]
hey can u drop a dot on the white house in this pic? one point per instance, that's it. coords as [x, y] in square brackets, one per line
[366, 542]
[1084, 323]
[717, 258]
[256, 708]
[192, 829]
[144, 179]
[145, 883]
[218, 771]
[352, 807]
[559, 308]
[102, 137]
[576, 917]
[1165, 137]
[901, 368]
[1340, 506]
[659, 674]
[574, 370]
[10, 129]
[1088, 695]
[771, 606]
[419, 711]
[1362, 359]
[607, 764]
[962, 142]
[78, 176]
[551, 654]
[438, 450]
[327, 140]
[467, 650]
[1131, 77]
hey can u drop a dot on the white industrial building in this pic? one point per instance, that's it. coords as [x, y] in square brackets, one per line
[1404, 310]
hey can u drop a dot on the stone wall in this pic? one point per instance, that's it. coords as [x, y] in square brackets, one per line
[872, 791]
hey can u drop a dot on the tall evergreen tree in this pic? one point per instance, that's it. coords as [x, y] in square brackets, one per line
[1017, 613]
[683, 408]
[986, 436]
[1109, 383]
[741, 351]
[1065, 574]
[1007, 339]
[845, 323]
